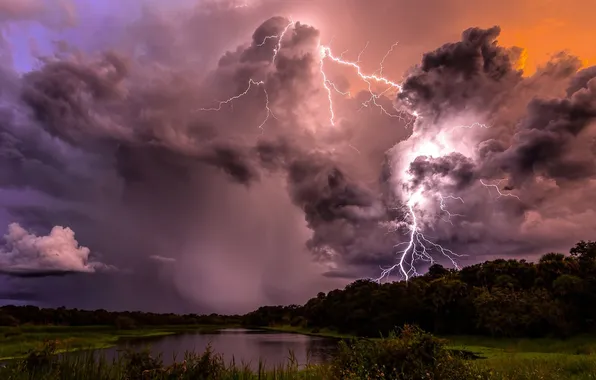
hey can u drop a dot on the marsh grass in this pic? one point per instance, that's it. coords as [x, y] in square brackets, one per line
[44, 364]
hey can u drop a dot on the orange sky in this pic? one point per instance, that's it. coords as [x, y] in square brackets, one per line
[542, 27]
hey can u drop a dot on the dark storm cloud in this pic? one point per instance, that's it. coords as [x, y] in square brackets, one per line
[134, 133]
[343, 213]
[548, 140]
[581, 79]
[63, 96]
[18, 295]
[457, 168]
[528, 173]
[469, 74]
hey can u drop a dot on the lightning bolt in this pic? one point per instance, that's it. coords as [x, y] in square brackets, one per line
[443, 207]
[230, 101]
[279, 37]
[382, 63]
[326, 53]
[496, 187]
[418, 246]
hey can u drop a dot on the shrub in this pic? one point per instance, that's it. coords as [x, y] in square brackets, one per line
[41, 360]
[411, 354]
[138, 364]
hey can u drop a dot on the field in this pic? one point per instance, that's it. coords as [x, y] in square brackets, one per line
[574, 358]
[15, 342]
[547, 359]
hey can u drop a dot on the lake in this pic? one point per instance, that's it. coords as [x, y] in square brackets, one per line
[243, 345]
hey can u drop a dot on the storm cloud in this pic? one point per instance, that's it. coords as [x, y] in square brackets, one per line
[213, 165]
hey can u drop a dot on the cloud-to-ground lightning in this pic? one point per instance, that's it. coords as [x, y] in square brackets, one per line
[418, 247]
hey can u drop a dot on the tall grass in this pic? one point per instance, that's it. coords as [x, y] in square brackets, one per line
[44, 364]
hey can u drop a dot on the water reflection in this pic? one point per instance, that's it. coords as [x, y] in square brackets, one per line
[244, 346]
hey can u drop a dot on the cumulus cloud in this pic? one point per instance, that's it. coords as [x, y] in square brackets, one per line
[27, 255]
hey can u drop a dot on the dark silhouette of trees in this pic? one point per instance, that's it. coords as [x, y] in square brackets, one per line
[513, 298]
[33, 315]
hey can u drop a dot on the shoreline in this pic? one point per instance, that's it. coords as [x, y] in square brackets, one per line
[18, 341]
[323, 333]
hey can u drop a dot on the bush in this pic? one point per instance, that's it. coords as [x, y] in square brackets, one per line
[41, 360]
[138, 364]
[411, 354]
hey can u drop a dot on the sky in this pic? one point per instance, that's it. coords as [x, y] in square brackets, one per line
[215, 156]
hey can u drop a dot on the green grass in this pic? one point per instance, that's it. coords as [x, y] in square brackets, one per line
[546, 366]
[16, 342]
[543, 358]
[494, 347]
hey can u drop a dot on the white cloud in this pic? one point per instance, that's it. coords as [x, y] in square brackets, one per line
[59, 252]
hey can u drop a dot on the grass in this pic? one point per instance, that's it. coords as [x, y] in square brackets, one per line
[538, 366]
[582, 344]
[16, 342]
[541, 358]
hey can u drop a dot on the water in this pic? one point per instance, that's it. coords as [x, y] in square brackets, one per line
[243, 345]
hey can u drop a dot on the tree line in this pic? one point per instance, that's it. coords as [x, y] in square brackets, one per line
[512, 298]
[506, 298]
[33, 315]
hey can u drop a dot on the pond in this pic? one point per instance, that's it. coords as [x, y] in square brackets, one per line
[243, 345]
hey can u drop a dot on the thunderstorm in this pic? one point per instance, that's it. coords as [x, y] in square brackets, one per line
[417, 247]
